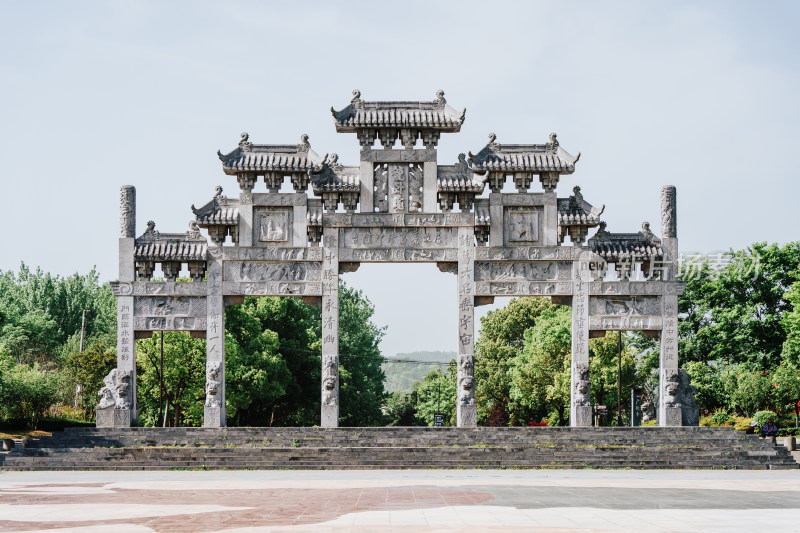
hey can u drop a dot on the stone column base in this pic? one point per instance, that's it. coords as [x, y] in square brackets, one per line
[213, 417]
[673, 416]
[583, 416]
[111, 417]
[330, 416]
[467, 416]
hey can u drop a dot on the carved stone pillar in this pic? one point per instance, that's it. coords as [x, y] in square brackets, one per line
[126, 343]
[549, 233]
[329, 416]
[214, 411]
[580, 412]
[669, 407]
[466, 410]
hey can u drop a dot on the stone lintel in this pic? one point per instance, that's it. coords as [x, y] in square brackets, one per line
[283, 199]
[272, 288]
[397, 220]
[397, 156]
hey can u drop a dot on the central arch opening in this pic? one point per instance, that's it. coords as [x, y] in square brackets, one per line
[417, 305]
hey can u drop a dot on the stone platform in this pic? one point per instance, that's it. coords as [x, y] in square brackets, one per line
[398, 448]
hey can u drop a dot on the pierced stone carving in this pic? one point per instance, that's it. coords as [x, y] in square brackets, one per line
[212, 383]
[115, 392]
[415, 182]
[398, 187]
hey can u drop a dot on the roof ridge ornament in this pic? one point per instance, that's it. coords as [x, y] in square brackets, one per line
[356, 97]
[244, 144]
[304, 145]
[553, 144]
[440, 97]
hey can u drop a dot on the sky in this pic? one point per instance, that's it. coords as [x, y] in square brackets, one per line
[94, 95]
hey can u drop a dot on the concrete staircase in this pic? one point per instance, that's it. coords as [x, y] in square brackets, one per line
[397, 448]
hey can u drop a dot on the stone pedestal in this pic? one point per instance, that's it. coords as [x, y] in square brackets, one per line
[111, 417]
[329, 409]
[581, 416]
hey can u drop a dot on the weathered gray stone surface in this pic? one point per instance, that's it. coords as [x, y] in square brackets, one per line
[690, 412]
[399, 205]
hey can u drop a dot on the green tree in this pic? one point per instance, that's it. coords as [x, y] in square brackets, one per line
[791, 324]
[604, 371]
[361, 393]
[736, 316]
[183, 380]
[436, 393]
[540, 375]
[88, 369]
[501, 339]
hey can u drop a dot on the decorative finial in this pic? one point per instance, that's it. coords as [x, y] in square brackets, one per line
[151, 227]
[244, 142]
[194, 229]
[576, 189]
[218, 191]
[221, 157]
[440, 96]
[492, 138]
[553, 140]
[304, 139]
[356, 95]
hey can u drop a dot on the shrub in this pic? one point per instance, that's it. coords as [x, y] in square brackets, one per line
[761, 417]
[721, 418]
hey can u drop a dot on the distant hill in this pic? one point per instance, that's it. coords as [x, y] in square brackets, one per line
[402, 375]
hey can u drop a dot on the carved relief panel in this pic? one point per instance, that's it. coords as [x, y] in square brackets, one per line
[398, 187]
[522, 225]
[272, 226]
[624, 305]
[261, 271]
[169, 313]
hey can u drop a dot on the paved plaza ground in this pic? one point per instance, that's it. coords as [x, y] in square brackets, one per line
[383, 501]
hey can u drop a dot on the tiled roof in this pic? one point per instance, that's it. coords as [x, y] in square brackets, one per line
[482, 217]
[458, 178]
[336, 178]
[577, 211]
[258, 158]
[220, 211]
[314, 216]
[170, 251]
[225, 216]
[548, 157]
[615, 247]
[423, 115]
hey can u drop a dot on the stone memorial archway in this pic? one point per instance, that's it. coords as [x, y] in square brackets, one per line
[397, 205]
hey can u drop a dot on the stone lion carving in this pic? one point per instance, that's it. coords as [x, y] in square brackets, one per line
[212, 384]
[672, 389]
[465, 396]
[329, 391]
[582, 384]
[115, 392]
